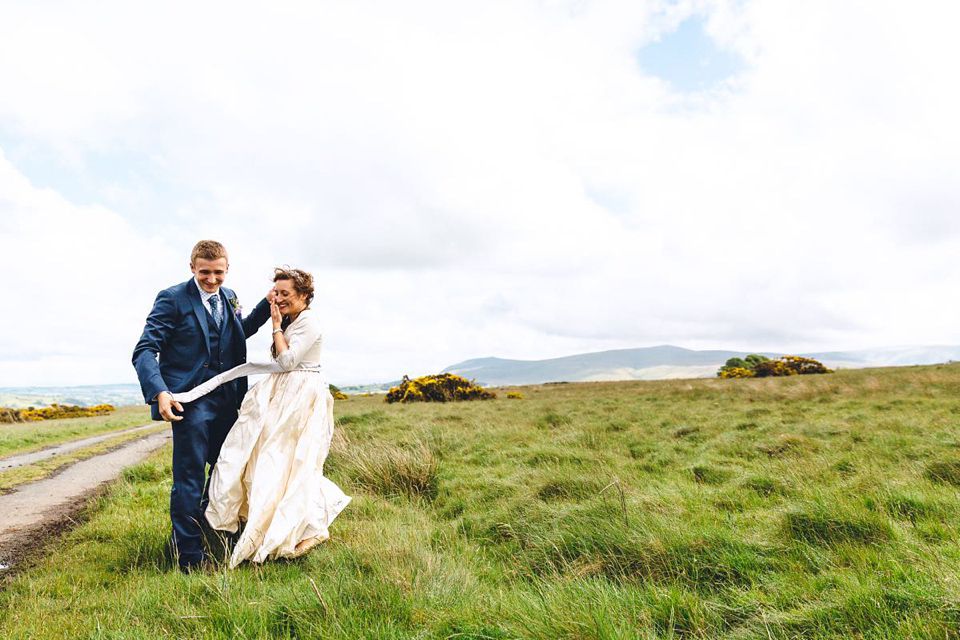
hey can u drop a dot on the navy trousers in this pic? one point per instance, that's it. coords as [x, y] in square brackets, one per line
[197, 440]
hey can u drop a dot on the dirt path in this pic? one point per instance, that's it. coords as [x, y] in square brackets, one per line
[32, 457]
[32, 510]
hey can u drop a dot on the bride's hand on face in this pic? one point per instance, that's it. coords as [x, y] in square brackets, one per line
[275, 315]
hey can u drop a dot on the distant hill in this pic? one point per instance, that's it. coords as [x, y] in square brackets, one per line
[374, 387]
[119, 395]
[663, 362]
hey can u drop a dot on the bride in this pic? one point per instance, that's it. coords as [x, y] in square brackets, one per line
[270, 470]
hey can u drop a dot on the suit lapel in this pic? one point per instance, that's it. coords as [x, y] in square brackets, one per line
[193, 293]
[227, 308]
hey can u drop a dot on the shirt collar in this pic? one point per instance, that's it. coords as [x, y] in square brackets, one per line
[203, 294]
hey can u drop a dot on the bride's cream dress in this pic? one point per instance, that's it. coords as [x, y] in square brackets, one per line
[270, 470]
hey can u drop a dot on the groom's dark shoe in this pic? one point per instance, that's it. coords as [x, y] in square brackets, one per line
[196, 567]
[194, 563]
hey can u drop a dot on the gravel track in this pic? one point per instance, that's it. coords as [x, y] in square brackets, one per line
[30, 512]
[23, 459]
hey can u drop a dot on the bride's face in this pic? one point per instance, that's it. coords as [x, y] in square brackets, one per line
[288, 300]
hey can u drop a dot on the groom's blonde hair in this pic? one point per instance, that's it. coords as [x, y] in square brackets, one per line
[208, 250]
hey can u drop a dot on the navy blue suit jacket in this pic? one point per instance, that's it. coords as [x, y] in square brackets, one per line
[173, 354]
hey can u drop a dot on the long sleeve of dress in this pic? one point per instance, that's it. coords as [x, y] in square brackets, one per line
[304, 342]
[302, 337]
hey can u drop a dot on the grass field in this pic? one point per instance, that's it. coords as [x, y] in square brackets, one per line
[22, 437]
[805, 507]
[31, 436]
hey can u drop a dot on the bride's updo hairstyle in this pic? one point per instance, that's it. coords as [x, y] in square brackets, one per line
[302, 281]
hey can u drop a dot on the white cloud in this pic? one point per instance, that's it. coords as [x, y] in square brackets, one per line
[74, 280]
[490, 179]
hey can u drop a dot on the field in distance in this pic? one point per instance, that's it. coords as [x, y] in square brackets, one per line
[806, 507]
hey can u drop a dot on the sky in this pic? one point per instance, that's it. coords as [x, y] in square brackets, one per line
[523, 179]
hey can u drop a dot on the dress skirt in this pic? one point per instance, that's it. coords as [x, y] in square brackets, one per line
[270, 470]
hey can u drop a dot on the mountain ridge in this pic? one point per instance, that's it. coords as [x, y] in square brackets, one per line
[669, 361]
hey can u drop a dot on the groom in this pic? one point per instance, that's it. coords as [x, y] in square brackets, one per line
[194, 332]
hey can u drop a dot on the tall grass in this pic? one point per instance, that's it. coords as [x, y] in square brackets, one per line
[387, 469]
[805, 507]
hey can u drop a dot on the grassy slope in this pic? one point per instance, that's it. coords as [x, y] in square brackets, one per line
[29, 436]
[814, 507]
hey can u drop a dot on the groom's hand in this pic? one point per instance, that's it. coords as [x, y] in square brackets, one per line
[167, 404]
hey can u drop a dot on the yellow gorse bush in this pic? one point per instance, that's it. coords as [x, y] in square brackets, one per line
[784, 366]
[443, 387]
[53, 412]
[735, 372]
[773, 368]
[804, 365]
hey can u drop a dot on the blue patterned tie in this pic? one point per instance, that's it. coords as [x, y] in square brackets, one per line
[215, 309]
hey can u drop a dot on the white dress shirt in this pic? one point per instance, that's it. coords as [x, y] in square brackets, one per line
[205, 298]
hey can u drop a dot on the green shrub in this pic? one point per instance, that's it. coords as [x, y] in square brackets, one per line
[754, 359]
[741, 367]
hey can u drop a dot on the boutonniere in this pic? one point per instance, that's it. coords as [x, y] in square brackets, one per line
[237, 309]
